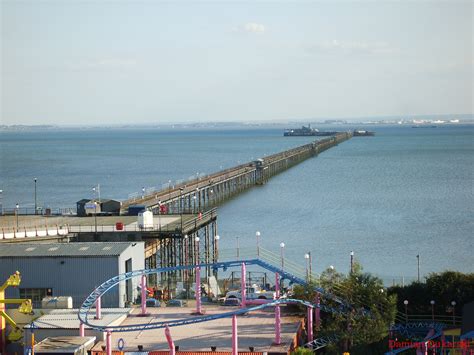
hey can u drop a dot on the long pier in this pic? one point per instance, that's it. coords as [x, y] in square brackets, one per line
[203, 193]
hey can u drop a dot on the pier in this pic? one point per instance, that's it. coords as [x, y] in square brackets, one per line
[203, 193]
[184, 230]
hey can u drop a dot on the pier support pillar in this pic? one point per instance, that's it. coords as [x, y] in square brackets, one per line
[243, 288]
[310, 324]
[108, 343]
[235, 340]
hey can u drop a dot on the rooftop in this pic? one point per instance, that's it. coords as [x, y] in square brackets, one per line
[67, 318]
[65, 344]
[255, 329]
[63, 249]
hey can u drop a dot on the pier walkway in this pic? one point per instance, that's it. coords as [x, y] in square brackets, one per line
[205, 192]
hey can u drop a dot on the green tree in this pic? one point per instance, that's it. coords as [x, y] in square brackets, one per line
[371, 310]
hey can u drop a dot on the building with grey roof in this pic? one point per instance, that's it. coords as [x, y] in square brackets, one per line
[71, 269]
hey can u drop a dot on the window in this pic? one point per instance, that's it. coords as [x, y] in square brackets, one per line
[35, 295]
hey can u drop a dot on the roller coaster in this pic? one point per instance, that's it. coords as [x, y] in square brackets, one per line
[358, 306]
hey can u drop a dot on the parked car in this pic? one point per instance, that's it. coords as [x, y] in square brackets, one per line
[151, 302]
[232, 302]
[176, 303]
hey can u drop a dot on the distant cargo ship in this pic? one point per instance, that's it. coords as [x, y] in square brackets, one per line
[307, 131]
[360, 133]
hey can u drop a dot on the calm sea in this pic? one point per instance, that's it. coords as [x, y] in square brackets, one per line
[388, 198]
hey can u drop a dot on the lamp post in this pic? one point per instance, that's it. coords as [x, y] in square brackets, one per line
[199, 199]
[96, 190]
[406, 311]
[418, 262]
[36, 205]
[307, 256]
[17, 208]
[159, 212]
[432, 302]
[238, 246]
[95, 217]
[186, 271]
[453, 303]
[282, 246]
[257, 235]
[216, 251]
[352, 261]
[196, 239]
[181, 206]
[1, 203]
[143, 192]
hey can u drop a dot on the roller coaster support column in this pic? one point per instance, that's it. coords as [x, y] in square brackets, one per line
[243, 288]
[170, 341]
[81, 330]
[310, 324]
[143, 295]
[108, 343]
[98, 308]
[277, 311]
[317, 311]
[235, 342]
[198, 291]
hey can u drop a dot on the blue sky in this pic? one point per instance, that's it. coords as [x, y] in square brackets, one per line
[105, 62]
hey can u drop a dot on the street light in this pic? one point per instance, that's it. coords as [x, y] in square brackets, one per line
[181, 206]
[143, 192]
[36, 209]
[95, 217]
[17, 212]
[352, 262]
[1, 203]
[432, 302]
[406, 310]
[196, 239]
[418, 262]
[238, 246]
[199, 199]
[257, 234]
[282, 246]
[309, 272]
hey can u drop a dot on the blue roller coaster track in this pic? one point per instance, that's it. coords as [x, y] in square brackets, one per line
[342, 307]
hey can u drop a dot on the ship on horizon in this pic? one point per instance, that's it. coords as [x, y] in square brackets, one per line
[307, 131]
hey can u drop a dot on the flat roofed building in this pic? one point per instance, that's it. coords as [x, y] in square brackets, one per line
[71, 269]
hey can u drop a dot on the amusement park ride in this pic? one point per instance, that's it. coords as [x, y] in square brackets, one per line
[358, 309]
[25, 307]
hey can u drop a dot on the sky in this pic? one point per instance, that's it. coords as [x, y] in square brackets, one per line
[124, 62]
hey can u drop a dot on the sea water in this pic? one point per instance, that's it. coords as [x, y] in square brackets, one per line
[402, 193]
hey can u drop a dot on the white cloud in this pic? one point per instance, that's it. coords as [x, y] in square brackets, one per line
[253, 27]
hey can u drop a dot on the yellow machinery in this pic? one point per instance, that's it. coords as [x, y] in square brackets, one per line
[25, 307]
